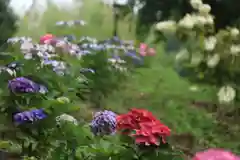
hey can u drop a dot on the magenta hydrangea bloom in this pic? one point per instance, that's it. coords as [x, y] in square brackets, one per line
[215, 154]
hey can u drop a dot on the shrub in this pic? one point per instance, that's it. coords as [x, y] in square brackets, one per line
[172, 9]
[209, 56]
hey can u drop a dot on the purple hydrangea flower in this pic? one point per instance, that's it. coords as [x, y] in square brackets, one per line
[24, 85]
[29, 116]
[104, 123]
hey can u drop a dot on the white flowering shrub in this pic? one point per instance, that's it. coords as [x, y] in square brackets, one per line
[207, 55]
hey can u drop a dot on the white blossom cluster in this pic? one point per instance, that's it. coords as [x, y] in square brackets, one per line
[15, 40]
[71, 23]
[199, 19]
[210, 48]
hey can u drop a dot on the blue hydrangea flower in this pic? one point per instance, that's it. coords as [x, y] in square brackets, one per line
[104, 123]
[24, 85]
[29, 116]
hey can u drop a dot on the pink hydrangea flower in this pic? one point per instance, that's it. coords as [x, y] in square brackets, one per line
[144, 50]
[46, 38]
[215, 154]
[151, 52]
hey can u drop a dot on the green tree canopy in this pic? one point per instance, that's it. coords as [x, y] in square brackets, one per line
[7, 22]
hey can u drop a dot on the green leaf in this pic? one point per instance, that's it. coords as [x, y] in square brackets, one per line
[5, 144]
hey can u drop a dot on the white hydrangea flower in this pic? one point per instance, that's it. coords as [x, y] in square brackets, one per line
[72, 52]
[226, 94]
[60, 44]
[74, 47]
[121, 2]
[66, 117]
[28, 56]
[235, 50]
[182, 55]
[167, 26]
[120, 68]
[196, 3]
[197, 58]
[70, 23]
[201, 20]
[209, 19]
[26, 46]
[213, 60]
[40, 54]
[204, 9]
[210, 43]
[234, 32]
[187, 22]
[115, 60]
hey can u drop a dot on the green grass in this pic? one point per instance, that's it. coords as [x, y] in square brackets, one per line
[169, 98]
[157, 88]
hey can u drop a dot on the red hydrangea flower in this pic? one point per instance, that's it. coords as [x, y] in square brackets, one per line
[143, 126]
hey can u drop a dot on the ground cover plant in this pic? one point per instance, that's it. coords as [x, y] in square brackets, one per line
[72, 91]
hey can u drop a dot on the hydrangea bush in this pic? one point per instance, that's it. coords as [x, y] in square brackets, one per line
[44, 83]
[206, 56]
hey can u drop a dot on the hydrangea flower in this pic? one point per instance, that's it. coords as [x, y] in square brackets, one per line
[24, 85]
[63, 100]
[167, 26]
[143, 126]
[29, 116]
[71, 23]
[235, 49]
[234, 32]
[226, 94]
[204, 9]
[215, 154]
[104, 123]
[46, 38]
[213, 60]
[65, 117]
[14, 40]
[210, 43]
